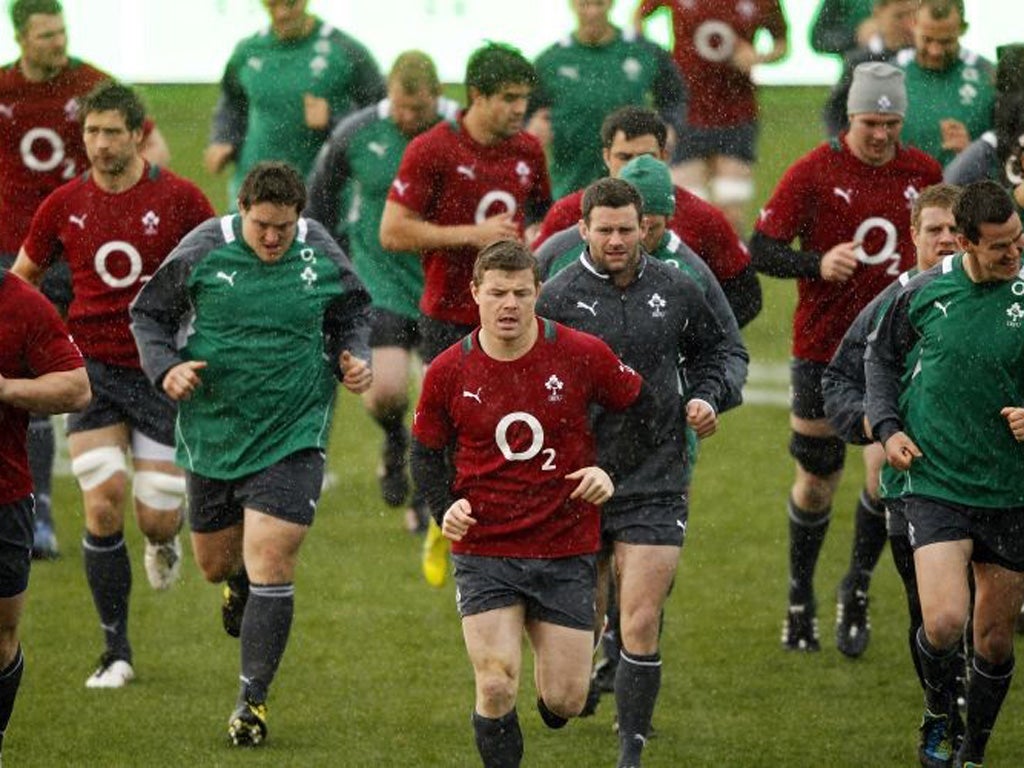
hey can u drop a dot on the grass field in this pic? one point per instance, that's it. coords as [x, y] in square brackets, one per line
[375, 674]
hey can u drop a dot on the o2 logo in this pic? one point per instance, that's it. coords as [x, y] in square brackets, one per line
[888, 250]
[118, 248]
[536, 446]
[492, 197]
[55, 156]
[715, 41]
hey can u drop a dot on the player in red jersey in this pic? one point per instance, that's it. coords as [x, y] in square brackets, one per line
[848, 201]
[40, 149]
[632, 131]
[460, 186]
[41, 370]
[113, 226]
[714, 48]
[509, 405]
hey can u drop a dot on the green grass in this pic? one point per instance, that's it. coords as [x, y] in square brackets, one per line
[376, 674]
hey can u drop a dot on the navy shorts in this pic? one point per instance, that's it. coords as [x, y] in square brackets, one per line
[390, 329]
[557, 591]
[895, 518]
[660, 522]
[437, 336]
[288, 490]
[997, 534]
[125, 396]
[700, 142]
[806, 398]
[17, 523]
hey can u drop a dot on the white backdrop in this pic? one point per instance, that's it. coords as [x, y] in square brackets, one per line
[190, 40]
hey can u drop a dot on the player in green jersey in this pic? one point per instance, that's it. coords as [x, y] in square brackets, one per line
[950, 90]
[589, 74]
[283, 90]
[841, 25]
[274, 315]
[945, 388]
[362, 157]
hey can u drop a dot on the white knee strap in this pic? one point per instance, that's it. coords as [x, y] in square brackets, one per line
[97, 466]
[731, 190]
[159, 490]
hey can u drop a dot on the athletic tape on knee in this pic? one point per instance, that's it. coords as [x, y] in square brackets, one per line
[97, 466]
[730, 190]
[159, 490]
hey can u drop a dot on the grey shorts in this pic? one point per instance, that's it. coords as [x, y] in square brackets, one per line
[437, 336]
[390, 329]
[997, 534]
[806, 398]
[700, 142]
[557, 591]
[17, 523]
[288, 490]
[660, 522]
[125, 396]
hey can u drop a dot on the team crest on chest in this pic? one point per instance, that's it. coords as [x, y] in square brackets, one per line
[71, 110]
[554, 386]
[523, 171]
[968, 93]
[657, 305]
[317, 65]
[7, 110]
[1014, 313]
[910, 195]
[746, 8]
[150, 221]
[322, 47]
[632, 68]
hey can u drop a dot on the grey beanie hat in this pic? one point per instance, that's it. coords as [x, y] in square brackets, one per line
[877, 87]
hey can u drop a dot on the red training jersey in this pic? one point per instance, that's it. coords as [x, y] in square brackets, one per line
[41, 144]
[705, 34]
[449, 179]
[700, 225]
[113, 243]
[829, 197]
[519, 427]
[33, 342]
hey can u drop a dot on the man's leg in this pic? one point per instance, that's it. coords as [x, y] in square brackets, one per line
[645, 575]
[159, 491]
[853, 627]
[15, 563]
[12, 660]
[41, 450]
[998, 595]
[494, 644]
[732, 189]
[387, 401]
[945, 600]
[819, 455]
[98, 462]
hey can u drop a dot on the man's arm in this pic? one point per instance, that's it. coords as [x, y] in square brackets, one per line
[704, 353]
[671, 97]
[433, 475]
[328, 178]
[884, 362]
[743, 294]
[777, 259]
[402, 229]
[27, 269]
[230, 122]
[832, 31]
[56, 392]
[155, 149]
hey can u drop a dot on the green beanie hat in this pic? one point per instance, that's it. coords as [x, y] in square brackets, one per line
[653, 181]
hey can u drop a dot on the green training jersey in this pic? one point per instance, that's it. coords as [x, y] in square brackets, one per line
[964, 91]
[269, 334]
[262, 107]
[582, 84]
[955, 352]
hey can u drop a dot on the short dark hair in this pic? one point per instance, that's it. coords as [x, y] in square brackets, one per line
[414, 71]
[983, 202]
[935, 196]
[941, 9]
[112, 96]
[507, 256]
[611, 193]
[633, 121]
[22, 9]
[496, 65]
[272, 181]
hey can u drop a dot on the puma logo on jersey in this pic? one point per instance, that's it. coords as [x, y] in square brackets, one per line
[229, 279]
[473, 395]
[466, 171]
[377, 148]
[591, 308]
[943, 308]
[400, 186]
[846, 194]
[78, 221]
[570, 73]
[7, 111]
